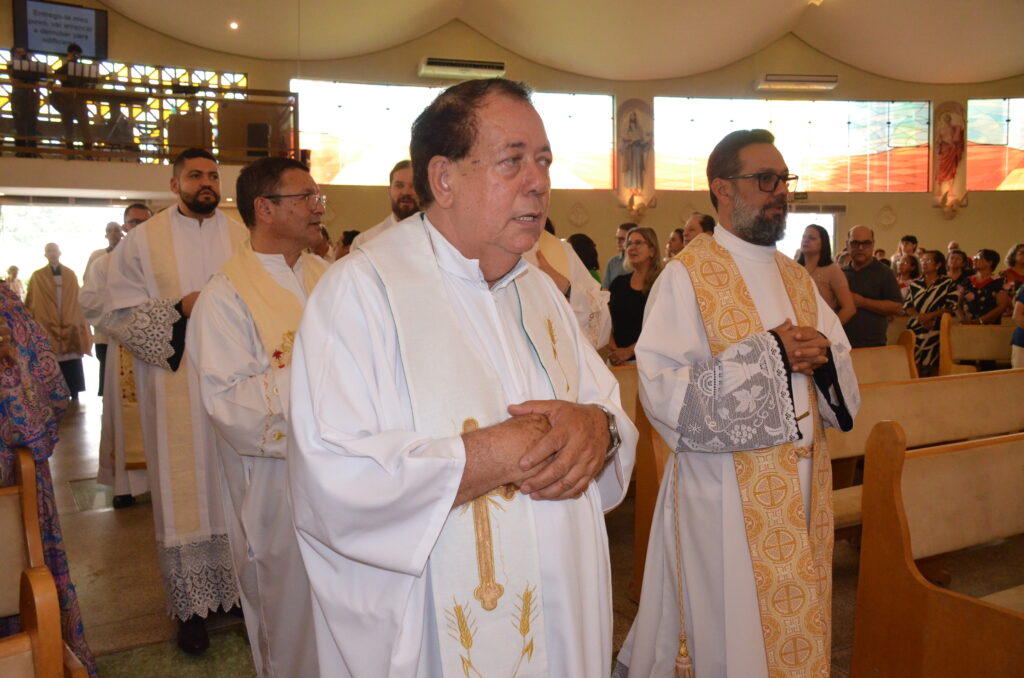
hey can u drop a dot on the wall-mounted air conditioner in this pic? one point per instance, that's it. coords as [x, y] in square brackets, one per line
[460, 69]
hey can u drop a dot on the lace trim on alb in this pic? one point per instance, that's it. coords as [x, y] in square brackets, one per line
[146, 331]
[199, 577]
[757, 414]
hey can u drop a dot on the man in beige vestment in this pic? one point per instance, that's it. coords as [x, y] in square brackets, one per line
[741, 367]
[154, 281]
[52, 299]
[240, 341]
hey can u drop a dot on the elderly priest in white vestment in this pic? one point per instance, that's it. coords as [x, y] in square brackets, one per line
[240, 341]
[741, 365]
[154, 281]
[457, 439]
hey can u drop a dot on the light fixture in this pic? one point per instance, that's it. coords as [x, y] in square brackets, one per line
[233, 25]
[816, 3]
[231, 199]
[796, 82]
[122, 197]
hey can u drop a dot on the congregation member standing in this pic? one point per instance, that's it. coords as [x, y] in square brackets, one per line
[239, 342]
[675, 243]
[876, 294]
[154, 280]
[929, 297]
[629, 293]
[959, 267]
[52, 299]
[441, 535]
[697, 223]
[122, 459]
[616, 266]
[816, 256]
[113, 234]
[741, 366]
[983, 299]
[1013, 274]
[401, 195]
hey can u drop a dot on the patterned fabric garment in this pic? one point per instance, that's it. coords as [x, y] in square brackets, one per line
[33, 398]
[979, 300]
[941, 295]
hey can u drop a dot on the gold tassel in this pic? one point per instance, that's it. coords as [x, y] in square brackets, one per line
[684, 665]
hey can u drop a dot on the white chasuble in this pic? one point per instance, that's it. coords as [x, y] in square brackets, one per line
[398, 586]
[153, 267]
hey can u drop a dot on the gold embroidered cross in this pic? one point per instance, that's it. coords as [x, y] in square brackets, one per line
[489, 590]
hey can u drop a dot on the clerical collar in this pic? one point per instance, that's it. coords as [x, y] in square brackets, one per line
[737, 246]
[55, 269]
[452, 261]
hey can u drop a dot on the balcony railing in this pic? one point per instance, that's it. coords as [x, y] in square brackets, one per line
[109, 120]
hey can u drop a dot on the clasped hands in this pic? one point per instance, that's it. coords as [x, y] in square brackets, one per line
[806, 349]
[555, 447]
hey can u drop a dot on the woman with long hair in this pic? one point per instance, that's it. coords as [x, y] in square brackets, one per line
[908, 268]
[629, 292]
[983, 300]
[930, 296]
[1013, 274]
[816, 256]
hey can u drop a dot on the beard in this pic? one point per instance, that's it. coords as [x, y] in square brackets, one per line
[754, 226]
[201, 201]
[403, 208]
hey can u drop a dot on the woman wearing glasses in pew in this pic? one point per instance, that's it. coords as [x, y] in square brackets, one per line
[928, 298]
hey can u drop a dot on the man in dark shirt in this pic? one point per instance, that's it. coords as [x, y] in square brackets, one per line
[875, 291]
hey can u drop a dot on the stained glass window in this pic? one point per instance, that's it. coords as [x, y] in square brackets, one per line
[995, 144]
[840, 146]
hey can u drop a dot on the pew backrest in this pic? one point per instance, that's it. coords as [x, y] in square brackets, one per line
[971, 342]
[885, 363]
[935, 410]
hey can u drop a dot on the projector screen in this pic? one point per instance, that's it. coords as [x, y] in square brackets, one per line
[50, 27]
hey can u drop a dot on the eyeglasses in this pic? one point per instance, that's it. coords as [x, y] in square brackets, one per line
[312, 199]
[769, 181]
[635, 243]
[860, 243]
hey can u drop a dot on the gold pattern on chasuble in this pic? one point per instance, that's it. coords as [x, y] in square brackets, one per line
[283, 354]
[463, 629]
[126, 375]
[554, 351]
[789, 562]
[489, 590]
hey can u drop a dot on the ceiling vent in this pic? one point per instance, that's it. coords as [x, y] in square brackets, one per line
[793, 82]
[460, 69]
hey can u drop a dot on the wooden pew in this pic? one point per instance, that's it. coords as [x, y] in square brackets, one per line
[627, 378]
[931, 411]
[971, 342]
[917, 504]
[886, 363]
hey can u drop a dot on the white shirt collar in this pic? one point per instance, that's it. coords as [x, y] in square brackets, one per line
[452, 261]
[737, 246]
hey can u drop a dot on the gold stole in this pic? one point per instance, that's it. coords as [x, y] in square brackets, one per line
[131, 426]
[275, 310]
[484, 571]
[183, 497]
[792, 565]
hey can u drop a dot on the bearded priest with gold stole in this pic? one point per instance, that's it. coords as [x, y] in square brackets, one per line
[240, 341]
[741, 367]
[455, 438]
[154, 280]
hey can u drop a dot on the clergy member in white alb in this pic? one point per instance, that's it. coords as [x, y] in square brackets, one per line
[456, 439]
[741, 365]
[588, 301]
[240, 341]
[401, 195]
[122, 459]
[154, 280]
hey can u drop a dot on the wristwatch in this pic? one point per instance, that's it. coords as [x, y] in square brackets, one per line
[614, 439]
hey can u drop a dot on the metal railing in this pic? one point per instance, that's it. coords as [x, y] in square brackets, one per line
[141, 123]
